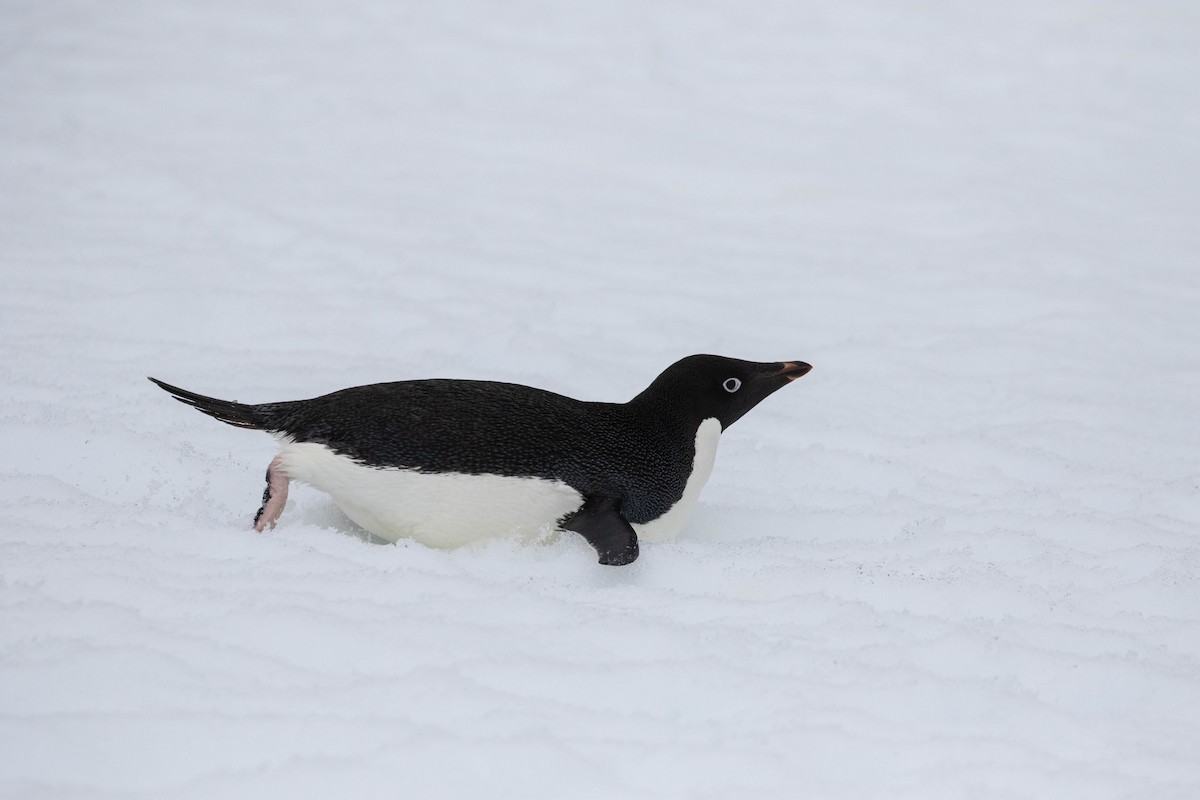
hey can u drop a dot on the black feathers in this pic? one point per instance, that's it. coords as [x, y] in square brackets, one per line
[239, 414]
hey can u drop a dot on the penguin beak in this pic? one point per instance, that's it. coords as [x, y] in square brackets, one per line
[793, 370]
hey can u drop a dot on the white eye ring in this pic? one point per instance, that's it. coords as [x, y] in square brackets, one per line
[731, 385]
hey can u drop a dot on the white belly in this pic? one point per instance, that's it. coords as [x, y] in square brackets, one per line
[670, 524]
[439, 510]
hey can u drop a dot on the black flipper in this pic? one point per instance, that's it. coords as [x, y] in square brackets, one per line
[599, 521]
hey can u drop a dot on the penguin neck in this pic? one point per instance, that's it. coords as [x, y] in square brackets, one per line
[667, 413]
[701, 456]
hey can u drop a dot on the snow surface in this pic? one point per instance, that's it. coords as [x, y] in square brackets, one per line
[959, 559]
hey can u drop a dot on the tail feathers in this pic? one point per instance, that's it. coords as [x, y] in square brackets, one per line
[240, 414]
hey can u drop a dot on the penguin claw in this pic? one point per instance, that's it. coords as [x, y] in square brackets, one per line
[274, 496]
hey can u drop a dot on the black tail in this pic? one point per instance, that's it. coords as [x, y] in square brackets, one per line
[239, 414]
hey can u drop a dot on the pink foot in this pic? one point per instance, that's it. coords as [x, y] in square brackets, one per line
[274, 498]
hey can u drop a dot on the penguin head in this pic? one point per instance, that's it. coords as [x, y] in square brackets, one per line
[704, 387]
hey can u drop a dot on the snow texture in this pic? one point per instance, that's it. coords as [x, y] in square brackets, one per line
[959, 559]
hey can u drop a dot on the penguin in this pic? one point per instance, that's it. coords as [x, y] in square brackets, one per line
[446, 462]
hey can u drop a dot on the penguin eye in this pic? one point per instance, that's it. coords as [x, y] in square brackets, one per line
[732, 385]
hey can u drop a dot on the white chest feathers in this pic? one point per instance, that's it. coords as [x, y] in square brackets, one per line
[436, 509]
[453, 509]
[671, 523]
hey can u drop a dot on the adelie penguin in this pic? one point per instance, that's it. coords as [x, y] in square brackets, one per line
[446, 462]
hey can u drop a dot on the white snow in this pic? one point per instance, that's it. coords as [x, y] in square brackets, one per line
[958, 559]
